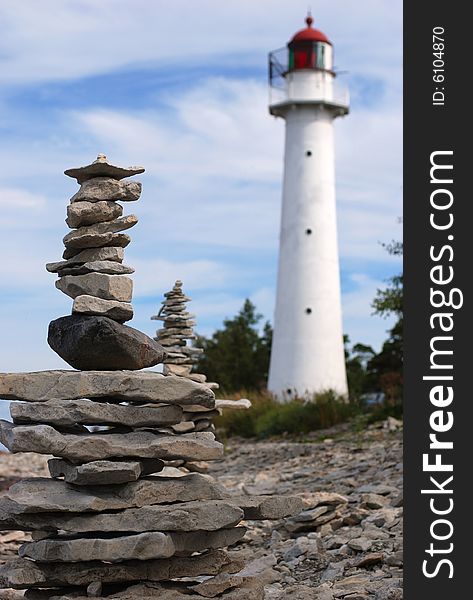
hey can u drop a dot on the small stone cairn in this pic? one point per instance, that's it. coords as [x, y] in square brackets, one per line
[178, 328]
[115, 521]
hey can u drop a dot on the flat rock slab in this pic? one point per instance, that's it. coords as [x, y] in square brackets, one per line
[269, 507]
[40, 494]
[178, 370]
[241, 404]
[154, 591]
[94, 589]
[142, 386]
[178, 331]
[142, 592]
[113, 309]
[108, 267]
[143, 546]
[198, 409]
[103, 472]
[182, 427]
[101, 285]
[84, 236]
[43, 439]
[199, 416]
[97, 241]
[21, 573]
[202, 379]
[101, 189]
[112, 253]
[89, 343]
[200, 515]
[197, 541]
[324, 499]
[102, 168]
[186, 543]
[309, 520]
[89, 412]
[218, 585]
[82, 214]
[253, 592]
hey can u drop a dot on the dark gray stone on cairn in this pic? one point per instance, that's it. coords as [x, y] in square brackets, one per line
[22, 574]
[104, 472]
[86, 412]
[122, 515]
[93, 343]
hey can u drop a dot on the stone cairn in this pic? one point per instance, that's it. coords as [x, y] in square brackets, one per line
[114, 520]
[178, 328]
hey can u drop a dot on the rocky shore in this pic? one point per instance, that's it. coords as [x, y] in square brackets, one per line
[347, 543]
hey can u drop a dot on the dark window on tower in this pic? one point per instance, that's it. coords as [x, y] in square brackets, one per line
[308, 231]
[320, 56]
[308, 311]
[308, 153]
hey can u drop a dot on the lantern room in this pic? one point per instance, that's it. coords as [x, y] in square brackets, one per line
[310, 49]
[302, 73]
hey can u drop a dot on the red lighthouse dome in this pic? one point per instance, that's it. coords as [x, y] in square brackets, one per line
[309, 34]
[310, 49]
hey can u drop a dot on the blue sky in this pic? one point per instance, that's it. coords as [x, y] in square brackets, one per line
[181, 88]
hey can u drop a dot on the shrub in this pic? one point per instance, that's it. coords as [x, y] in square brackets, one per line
[243, 422]
[268, 417]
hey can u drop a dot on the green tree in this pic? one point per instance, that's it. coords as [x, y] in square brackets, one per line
[385, 369]
[357, 358]
[237, 356]
[390, 300]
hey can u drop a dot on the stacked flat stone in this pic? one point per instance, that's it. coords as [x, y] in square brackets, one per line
[116, 520]
[93, 274]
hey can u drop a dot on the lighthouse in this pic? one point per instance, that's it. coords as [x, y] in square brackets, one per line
[307, 355]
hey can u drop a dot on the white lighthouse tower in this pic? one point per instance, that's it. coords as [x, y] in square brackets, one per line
[307, 353]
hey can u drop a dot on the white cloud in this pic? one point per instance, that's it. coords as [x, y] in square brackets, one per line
[219, 129]
[69, 39]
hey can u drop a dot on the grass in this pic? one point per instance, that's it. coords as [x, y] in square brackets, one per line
[267, 417]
